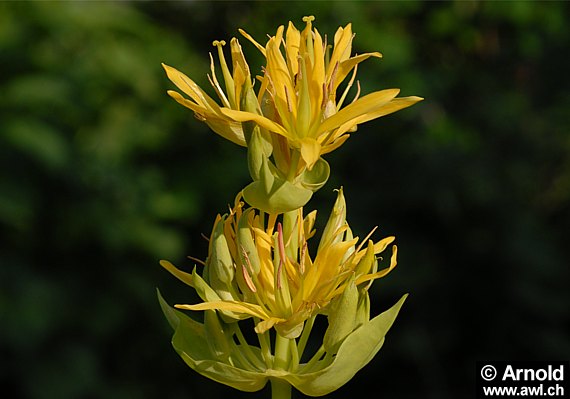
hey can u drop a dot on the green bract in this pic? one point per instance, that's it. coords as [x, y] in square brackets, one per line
[242, 366]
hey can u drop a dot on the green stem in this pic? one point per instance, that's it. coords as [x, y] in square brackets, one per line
[295, 157]
[281, 389]
[305, 335]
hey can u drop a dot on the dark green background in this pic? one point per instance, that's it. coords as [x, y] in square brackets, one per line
[102, 175]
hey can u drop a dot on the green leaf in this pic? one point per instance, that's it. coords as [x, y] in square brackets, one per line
[170, 313]
[191, 342]
[355, 352]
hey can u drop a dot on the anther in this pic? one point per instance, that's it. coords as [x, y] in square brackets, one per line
[289, 106]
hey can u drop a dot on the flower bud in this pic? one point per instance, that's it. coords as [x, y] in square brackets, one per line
[336, 221]
[342, 317]
[220, 265]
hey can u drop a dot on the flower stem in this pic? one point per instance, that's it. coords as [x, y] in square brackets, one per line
[295, 157]
[281, 389]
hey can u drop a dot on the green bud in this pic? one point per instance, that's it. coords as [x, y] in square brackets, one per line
[291, 233]
[258, 150]
[246, 246]
[367, 262]
[220, 265]
[337, 219]
[342, 317]
[363, 309]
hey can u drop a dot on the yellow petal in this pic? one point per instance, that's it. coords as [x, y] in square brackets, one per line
[382, 272]
[363, 105]
[310, 151]
[346, 66]
[265, 325]
[219, 123]
[243, 116]
[189, 87]
[182, 276]
[335, 144]
[292, 42]
[232, 306]
[395, 105]
[251, 39]
[342, 47]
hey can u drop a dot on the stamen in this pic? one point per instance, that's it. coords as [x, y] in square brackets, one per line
[282, 254]
[228, 79]
[302, 261]
[333, 78]
[247, 279]
[325, 97]
[246, 275]
[357, 91]
[348, 86]
[289, 106]
[200, 261]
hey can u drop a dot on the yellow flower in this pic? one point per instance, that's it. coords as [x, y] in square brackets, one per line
[260, 267]
[297, 98]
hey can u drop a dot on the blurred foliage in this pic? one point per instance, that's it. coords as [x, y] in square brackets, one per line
[103, 175]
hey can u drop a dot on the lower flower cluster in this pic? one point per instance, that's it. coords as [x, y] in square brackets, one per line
[259, 267]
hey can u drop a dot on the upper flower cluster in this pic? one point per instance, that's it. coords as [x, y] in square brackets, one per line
[295, 116]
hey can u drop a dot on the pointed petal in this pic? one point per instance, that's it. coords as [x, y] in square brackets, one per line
[252, 40]
[346, 66]
[335, 144]
[243, 116]
[362, 106]
[179, 274]
[393, 106]
[233, 306]
[310, 151]
[189, 87]
[219, 123]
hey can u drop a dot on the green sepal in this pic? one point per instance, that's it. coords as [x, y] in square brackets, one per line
[273, 194]
[356, 351]
[315, 178]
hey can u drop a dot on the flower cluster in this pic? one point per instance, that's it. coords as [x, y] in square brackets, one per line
[259, 263]
[295, 116]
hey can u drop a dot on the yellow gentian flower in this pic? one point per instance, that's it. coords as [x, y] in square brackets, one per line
[297, 97]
